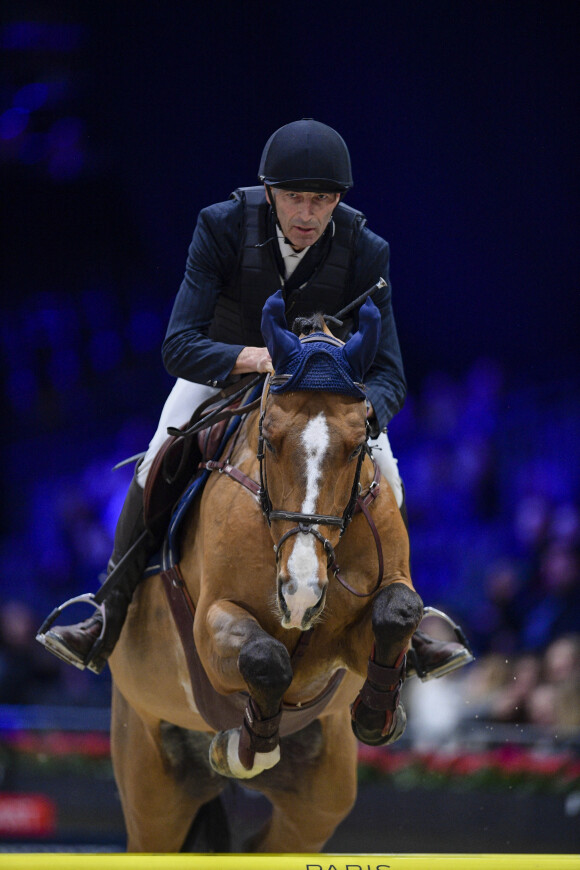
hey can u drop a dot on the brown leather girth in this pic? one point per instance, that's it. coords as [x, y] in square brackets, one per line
[183, 610]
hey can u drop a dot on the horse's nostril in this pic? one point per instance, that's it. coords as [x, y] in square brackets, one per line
[314, 611]
[289, 588]
[282, 603]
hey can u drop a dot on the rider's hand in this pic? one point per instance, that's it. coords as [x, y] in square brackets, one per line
[253, 359]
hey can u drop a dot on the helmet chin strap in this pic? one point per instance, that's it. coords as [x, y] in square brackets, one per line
[276, 218]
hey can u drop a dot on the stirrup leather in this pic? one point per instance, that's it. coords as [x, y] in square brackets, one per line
[58, 648]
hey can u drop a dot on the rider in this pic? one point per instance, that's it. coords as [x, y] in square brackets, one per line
[293, 231]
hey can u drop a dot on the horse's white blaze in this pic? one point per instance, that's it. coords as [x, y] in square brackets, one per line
[302, 589]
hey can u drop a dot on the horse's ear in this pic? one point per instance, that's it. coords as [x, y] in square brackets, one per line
[281, 343]
[361, 348]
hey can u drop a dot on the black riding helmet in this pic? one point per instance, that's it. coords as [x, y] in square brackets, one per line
[306, 156]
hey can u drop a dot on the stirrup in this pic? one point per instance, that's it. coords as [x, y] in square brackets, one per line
[458, 660]
[58, 648]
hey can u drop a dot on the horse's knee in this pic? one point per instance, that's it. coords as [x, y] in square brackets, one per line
[397, 611]
[265, 665]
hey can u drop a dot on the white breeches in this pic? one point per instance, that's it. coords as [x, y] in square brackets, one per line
[186, 396]
[388, 465]
[180, 404]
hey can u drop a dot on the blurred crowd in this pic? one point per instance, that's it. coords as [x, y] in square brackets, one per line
[490, 468]
[539, 688]
[526, 697]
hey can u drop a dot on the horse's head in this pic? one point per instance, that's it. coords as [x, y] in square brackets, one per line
[313, 440]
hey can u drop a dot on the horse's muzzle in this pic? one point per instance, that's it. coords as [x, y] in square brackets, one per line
[300, 606]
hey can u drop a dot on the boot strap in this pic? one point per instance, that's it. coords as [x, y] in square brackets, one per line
[382, 687]
[383, 693]
[384, 677]
[257, 735]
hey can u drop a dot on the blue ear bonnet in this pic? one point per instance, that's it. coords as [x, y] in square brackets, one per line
[321, 365]
[319, 361]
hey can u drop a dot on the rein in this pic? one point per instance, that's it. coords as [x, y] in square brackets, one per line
[306, 522]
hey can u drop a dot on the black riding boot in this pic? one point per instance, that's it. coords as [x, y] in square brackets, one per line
[88, 644]
[429, 658]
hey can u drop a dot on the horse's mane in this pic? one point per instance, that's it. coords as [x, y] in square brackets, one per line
[308, 325]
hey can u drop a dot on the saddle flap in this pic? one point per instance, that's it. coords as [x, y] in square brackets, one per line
[172, 470]
[176, 465]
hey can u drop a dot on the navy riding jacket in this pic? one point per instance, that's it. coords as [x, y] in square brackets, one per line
[212, 264]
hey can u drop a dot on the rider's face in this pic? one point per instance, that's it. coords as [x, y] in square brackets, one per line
[303, 216]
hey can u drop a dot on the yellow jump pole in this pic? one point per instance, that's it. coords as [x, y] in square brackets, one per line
[102, 861]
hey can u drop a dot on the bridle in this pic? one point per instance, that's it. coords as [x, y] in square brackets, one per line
[305, 522]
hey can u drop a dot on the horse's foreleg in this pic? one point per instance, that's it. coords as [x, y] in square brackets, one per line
[262, 666]
[377, 715]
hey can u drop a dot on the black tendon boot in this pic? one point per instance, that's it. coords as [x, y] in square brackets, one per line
[88, 644]
[429, 658]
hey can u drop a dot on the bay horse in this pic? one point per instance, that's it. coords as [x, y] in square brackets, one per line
[297, 656]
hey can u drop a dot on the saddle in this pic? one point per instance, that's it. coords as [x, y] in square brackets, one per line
[177, 463]
[173, 470]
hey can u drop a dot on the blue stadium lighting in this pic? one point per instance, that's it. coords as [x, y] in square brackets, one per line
[32, 96]
[40, 36]
[13, 122]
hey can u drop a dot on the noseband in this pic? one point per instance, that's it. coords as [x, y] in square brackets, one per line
[305, 522]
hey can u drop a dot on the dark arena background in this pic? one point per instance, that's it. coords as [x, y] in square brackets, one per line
[118, 123]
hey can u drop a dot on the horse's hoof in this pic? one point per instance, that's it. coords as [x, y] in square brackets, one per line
[224, 756]
[374, 738]
[218, 754]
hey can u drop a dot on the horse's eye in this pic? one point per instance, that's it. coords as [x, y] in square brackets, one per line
[356, 452]
[268, 446]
